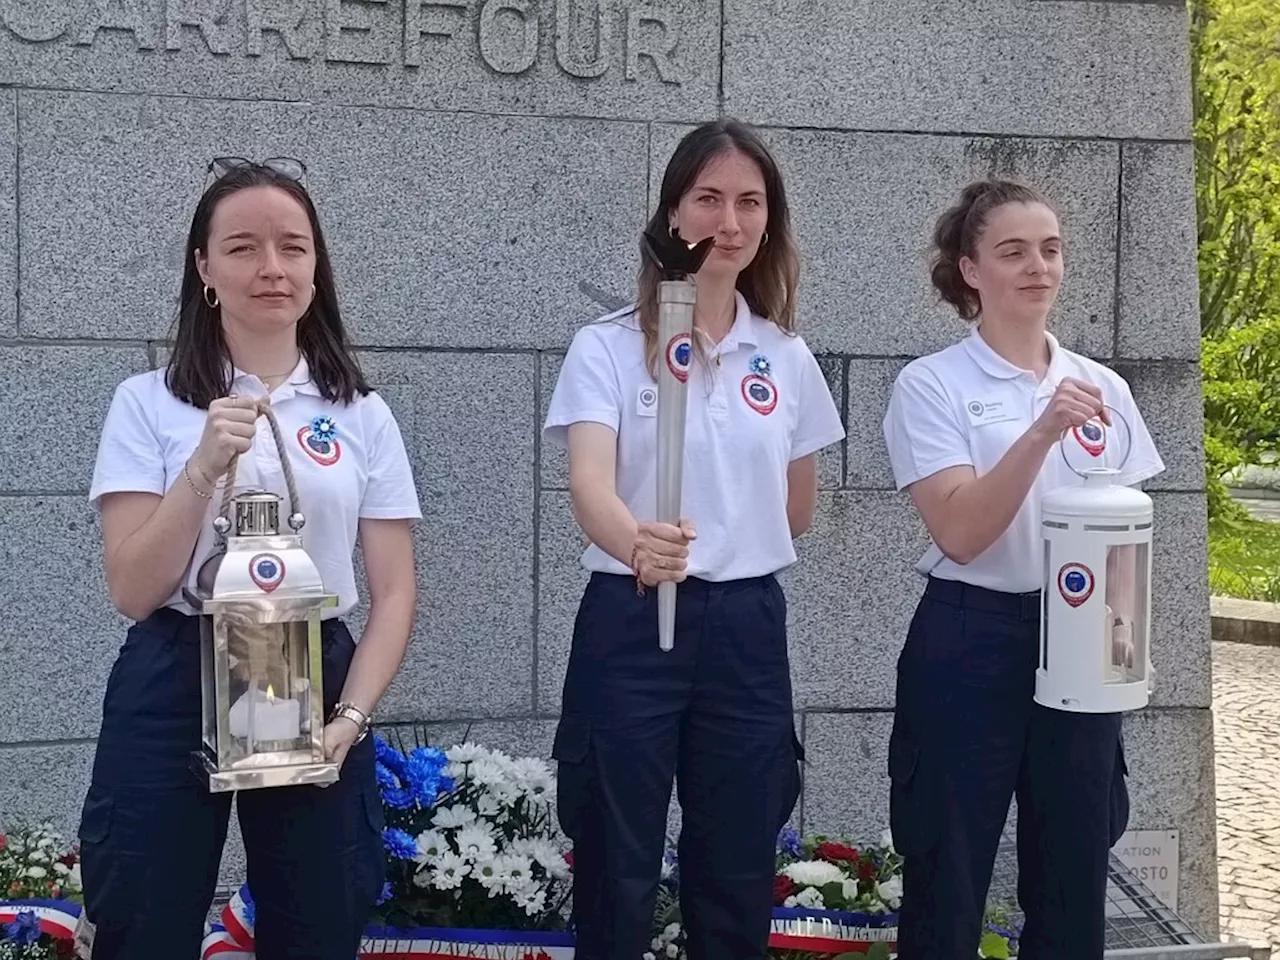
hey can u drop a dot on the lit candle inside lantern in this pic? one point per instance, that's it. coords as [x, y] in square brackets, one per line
[270, 718]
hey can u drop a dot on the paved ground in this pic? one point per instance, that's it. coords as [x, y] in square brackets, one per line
[1246, 703]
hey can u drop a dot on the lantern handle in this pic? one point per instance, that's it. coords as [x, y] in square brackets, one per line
[296, 518]
[1062, 447]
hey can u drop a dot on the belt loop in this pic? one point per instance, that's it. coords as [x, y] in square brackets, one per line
[1031, 606]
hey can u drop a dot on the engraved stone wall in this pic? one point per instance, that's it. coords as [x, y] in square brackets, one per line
[483, 168]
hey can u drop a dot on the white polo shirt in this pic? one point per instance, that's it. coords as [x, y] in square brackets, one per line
[362, 471]
[966, 405]
[744, 428]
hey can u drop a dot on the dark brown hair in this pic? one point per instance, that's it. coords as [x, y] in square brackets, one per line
[199, 370]
[769, 282]
[957, 232]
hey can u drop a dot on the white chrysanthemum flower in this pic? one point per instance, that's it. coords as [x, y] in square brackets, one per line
[671, 932]
[61, 869]
[475, 842]
[517, 871]
[534, 777]
[448, 871]
[648, 955]
[489, 874]
[430, 844]
[656, 943]
[672, 951]
[890, 891]
[466, 752]
[810, 897]
[543, 852]
[531, 899]
[457, 772]
[488, 806]
[451, 818]
[37, 873]
[489, 772]
[814, 873]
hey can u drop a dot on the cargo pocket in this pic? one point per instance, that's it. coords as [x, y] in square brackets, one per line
[374, 818]
[796, 769]
[571, 751]
[1119, 805]
[106, 901]
[912, 819]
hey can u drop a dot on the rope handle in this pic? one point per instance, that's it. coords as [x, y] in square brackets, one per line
[296, 518]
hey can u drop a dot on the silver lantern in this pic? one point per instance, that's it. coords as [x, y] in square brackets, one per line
[260, 599]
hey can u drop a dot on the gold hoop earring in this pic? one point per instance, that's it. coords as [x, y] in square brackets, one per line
[213, 304]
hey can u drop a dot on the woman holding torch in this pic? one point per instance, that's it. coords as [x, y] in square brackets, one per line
[714, 711]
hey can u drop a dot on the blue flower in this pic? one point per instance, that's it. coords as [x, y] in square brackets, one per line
[399, 844]
[323, 428]
[760, 365]
[24, 929]
[398, 798]
[789, 842]
[386, 894]
[390, 757]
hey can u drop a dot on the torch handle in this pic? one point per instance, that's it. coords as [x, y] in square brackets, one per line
[675, 361]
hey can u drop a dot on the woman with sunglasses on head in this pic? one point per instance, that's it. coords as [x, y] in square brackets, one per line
[258, 326]
[977, 434]
[715, 712]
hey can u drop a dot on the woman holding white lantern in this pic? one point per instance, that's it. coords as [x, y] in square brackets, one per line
[979, 434]
[258, 328]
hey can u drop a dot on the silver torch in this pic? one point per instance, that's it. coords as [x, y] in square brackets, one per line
[678, 262]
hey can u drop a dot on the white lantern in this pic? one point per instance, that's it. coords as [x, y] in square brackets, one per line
[1095, 652]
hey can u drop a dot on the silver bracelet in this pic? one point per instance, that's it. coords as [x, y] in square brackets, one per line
[351, 712]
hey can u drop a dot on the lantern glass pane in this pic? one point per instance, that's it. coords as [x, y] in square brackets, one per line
[1128, 607]
[267, 676]
[208, 691]
[1044, 609]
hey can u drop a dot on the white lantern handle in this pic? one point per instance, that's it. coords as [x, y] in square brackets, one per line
[1062, 447]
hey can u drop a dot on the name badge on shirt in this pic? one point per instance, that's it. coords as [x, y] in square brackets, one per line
[647, 400]
[988, 410]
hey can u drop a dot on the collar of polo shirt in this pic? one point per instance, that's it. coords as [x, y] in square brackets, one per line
[298, 381]
[744, 332]
[994, 365]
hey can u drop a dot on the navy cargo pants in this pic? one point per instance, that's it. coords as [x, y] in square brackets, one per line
[152, 835]
[715, 714]
[967, 736]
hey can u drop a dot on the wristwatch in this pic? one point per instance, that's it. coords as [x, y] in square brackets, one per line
[353, 713]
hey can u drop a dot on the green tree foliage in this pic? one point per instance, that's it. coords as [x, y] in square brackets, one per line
[1236, 88]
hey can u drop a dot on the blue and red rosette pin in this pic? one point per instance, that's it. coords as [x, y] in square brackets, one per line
[760, 365]
[324, 429]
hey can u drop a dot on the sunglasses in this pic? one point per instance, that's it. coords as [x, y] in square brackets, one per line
[286, 167]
